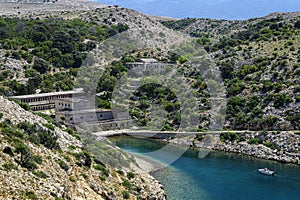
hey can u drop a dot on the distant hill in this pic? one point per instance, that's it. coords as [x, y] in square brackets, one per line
[30, 7]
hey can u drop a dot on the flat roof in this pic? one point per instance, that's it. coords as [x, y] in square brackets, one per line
[77, 91]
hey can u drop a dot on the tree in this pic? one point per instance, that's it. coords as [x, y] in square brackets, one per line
[40, 65]
[297, 24]
[38, 37]
[62, 41]
[282, 100]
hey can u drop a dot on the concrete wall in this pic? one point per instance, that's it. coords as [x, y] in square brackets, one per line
[77, 117]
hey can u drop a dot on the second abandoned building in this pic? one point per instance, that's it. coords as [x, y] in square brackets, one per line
[79, 110]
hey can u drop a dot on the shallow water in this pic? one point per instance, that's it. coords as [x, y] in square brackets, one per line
[219, 175]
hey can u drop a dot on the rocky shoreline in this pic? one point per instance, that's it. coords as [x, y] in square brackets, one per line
[278, 146]
[270, 145]
[144, 168]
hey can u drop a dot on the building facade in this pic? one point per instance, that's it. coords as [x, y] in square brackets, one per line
[69, 104]
[84, 116]
[46, 101]
[80, 110]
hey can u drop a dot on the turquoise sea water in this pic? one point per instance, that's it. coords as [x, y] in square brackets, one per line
[218, 9]
[219, 176]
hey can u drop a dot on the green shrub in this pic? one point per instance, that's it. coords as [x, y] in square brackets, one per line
[48, 140]
[180, 24]
[26, 158]
[73, 133]
[84, 158]
[11, 131]
[63, 165]
[125, 194]
[102, 177]
[130, 175]
[27, 127]
[25, 106]
[8, 151]
[84, 176]
[254, 141]
[40, 174]
[229, 136]
[119, 171]
[31, 195]
[200, 137]
[40, 136]
[235, 86]
[33, 139]
[282, 100]
[37, 159]
[9, 166]
[72, 147]
[66, 157]
[127, 184]
[270, 145]
[72, 179]
[101, 168]
[246, 69]
[49, 126]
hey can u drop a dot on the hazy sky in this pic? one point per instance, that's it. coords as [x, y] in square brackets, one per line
[221, 9]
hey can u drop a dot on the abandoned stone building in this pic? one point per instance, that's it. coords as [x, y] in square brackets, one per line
[83, 116]
[148, 65]
[68, 104]
[46, 101]
[79, 110]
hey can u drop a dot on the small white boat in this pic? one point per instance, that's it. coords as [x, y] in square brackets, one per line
[266, 171]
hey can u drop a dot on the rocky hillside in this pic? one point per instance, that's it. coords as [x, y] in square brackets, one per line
[258, 60]
[42, 161]
[43, 53]
[259, 63]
